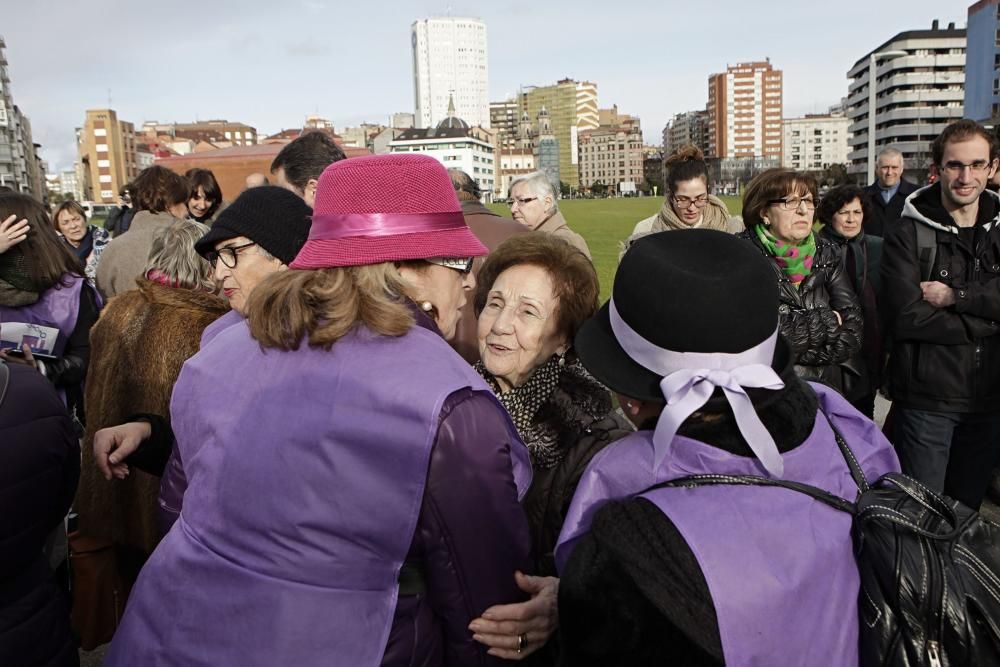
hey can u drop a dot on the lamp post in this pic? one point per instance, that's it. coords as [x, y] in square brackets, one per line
[872, 81]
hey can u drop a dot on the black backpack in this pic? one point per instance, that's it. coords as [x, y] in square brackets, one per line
[929, 566]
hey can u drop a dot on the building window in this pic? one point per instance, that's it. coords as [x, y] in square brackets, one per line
[102, 148]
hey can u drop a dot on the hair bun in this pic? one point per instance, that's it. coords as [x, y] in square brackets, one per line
[686, 153]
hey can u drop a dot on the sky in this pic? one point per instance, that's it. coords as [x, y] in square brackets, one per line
[271, 63]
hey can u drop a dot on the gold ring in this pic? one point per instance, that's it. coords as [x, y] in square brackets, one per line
[522, 642]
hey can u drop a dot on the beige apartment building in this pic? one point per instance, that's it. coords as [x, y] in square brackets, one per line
[744, 111]
[107, 155]
[572, 109]
[613, 154]
[815, 142]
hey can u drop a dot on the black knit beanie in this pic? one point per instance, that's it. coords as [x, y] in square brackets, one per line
[274, 218]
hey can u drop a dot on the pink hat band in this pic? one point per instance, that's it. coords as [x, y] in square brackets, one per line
[333, 226]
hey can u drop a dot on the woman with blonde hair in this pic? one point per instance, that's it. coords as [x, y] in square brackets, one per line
[353, 484]
[688, 204]
[87, 241]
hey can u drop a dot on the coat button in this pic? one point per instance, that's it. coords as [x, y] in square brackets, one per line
[996, 268]
[961, 293]
[944, 273]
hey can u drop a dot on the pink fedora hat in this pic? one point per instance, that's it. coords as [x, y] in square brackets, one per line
[385, 208]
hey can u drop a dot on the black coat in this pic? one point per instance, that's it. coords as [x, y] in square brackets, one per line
[862, 376]
[945, 359]
[882, 214]
[820, 343]
[39, 470]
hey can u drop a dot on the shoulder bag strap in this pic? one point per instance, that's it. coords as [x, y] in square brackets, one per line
[4, 380]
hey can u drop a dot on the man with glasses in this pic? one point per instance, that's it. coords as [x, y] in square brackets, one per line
[941, 290]
[888, 193]
[533, 204]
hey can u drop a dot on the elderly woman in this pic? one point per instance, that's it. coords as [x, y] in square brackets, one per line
[87, 241]
[354, 484]
[842, 212]
[533, 204]
[688, 204]
[655, 573]
[137, 349]
[819, 312]
[42, 285]
[206, 195]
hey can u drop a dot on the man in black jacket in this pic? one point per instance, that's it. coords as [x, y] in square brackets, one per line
[888, 193]
[941, 281]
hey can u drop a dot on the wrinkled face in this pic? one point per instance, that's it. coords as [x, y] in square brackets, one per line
[251, 268]
[689, 200]
[199, 204]
[517, 328]
[72, 226]
[792, 226]
[847, 220]
[961, 182]
[444, 288]
[527, 208]
[889, 170]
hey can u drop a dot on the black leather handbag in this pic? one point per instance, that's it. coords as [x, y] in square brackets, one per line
[929, 566]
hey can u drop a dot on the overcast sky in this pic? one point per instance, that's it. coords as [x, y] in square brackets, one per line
[271, 63]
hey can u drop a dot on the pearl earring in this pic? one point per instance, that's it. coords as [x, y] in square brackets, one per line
[426, 306]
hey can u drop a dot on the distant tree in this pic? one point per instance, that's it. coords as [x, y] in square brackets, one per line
[834, 175]
[59, 198]
[599, 189]
[563, 189]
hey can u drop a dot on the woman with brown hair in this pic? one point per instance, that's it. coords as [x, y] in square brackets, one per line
[46, 306]
[819, 311]
[160, 200]
[206, 195]
[353, 484]
[688, 204]
[87, 241]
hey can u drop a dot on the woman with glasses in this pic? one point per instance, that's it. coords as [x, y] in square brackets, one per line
[818, 310]
[688, 204]
[354, 484]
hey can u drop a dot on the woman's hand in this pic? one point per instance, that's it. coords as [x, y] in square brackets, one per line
[114, 444]
[12, 232]
[27, 360]
[515, 631]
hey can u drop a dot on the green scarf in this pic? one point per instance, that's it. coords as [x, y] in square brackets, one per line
[795, 260]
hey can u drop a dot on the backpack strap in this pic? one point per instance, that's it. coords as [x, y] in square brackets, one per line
[4, 380]
[926, 249]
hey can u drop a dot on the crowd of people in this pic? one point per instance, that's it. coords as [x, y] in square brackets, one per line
[357, 418]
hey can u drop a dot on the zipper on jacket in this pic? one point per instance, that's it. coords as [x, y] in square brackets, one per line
[933, 654]
[979, 355]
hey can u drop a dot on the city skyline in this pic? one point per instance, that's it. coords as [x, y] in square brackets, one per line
[246, 62]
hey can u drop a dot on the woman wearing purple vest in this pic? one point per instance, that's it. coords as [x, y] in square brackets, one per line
[353, 484]
[710, 575]
[42, 287]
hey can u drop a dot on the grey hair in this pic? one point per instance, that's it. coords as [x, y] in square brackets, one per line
[888, 151]
[173, 254]
[538, 184]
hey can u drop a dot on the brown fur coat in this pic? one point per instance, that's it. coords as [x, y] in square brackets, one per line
[138, 346]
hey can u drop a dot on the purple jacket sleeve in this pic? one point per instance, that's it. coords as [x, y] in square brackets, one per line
[472, 530]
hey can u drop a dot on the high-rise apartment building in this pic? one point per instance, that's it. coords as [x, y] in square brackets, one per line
[982, 62]
[814, 142]
[744, 111]
[690, 127]
[613, 155]
[572, 108]
[450, 61]
[917, 95]
[20, 165]
[505, 118]
[107, 152]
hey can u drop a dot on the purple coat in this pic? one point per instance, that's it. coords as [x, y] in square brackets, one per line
[309, 484]
[779, 565]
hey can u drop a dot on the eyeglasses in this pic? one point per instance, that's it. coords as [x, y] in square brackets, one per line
[520, 201]
[227, 254]
[685, 202]
[792, 203]
[956, 167]
[461, 264]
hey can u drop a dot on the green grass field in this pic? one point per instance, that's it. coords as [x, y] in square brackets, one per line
[605, 223]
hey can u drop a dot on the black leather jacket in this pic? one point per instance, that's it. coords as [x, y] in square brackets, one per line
[823, 347]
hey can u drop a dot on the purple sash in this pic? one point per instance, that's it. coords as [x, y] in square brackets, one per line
[58, 307]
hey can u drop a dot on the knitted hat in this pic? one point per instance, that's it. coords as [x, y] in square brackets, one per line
[385, 208]
[274, 218]
[712, 323]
